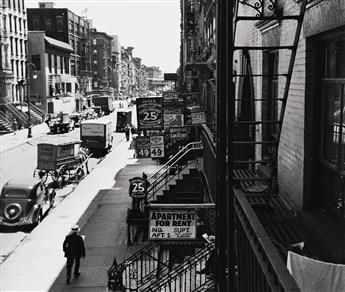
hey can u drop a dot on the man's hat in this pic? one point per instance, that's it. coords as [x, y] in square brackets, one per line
[75, 228]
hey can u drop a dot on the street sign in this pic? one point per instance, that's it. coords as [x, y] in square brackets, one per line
[137, 187]
[157, 146]
[143, 147]
[172, 224]
[149, 113]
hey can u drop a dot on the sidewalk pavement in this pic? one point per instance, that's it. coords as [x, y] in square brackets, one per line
[11, 140]
[99, 205]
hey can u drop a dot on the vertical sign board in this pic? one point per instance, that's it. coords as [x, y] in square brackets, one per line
[172, 224]
[173, 109]
[157, 146]
[143, 147]
[149, 113]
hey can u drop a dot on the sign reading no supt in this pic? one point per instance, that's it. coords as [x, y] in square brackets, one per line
[149, 113]
[172, 224]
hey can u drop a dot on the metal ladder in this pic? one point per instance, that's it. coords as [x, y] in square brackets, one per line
[247, 174]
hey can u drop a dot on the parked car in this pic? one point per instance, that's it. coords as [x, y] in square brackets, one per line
[25, 201]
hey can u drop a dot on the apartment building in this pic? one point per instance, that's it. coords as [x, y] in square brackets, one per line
[13, 45]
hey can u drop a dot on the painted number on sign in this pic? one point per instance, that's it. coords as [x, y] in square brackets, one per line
[156, 152]
[150, 116]
[144, 152]
[138, 187]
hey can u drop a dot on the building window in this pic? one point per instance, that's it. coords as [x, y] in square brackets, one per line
[59, 23]
[10, 22]
[95, 52]
[16, 46]
[68, 87]
[19, 8]
[61, 65]
[48, 24]
[95, 62]
[333, 128]
[11, 45]
[20, 24]
[50, 63]
[94, 42]
[55, 64]
[66, 60]
[15, 23]
[36, 23]
[14, 5]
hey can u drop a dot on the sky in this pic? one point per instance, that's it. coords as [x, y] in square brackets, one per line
[152, 27]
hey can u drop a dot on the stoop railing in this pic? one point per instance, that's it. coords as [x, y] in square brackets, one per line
[171, 169]
[184, 277]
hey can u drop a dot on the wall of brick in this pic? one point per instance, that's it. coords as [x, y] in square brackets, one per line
[295, 155]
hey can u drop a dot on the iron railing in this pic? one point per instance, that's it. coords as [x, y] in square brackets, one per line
[260, 267]
[184, 277]
[171, 169]
[143, 266]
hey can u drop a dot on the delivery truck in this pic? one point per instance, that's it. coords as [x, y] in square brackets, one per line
[97, 135]
[105, 102]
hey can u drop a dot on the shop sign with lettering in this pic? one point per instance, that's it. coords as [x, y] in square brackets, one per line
[149, 113]
[172, 224]
[157, 146]
[143, 147]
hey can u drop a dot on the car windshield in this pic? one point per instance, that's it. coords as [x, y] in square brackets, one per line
[16, 194]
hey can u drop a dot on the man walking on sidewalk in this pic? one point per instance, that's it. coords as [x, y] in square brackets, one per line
[74, 249]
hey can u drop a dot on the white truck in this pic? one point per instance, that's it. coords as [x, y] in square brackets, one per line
[97, 135]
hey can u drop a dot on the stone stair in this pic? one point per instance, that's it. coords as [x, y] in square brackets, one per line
[36, 113]
[185, 189]
[12, 112]
[5, 124]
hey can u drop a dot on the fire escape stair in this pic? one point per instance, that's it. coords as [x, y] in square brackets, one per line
[259, 176]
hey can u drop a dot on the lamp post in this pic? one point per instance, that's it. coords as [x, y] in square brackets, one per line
[34, 76]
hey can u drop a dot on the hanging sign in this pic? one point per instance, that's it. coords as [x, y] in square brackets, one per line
[143, 147]
[149, 113]
[137, 187]
[172, 224]
[179, 133]
[157, 146]
[198, 117]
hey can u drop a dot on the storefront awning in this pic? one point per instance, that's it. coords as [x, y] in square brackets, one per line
[58, 44]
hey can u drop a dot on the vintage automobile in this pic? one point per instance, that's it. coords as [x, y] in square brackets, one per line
[25, 201]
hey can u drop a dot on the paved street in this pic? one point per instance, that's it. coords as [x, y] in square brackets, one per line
[44, 244]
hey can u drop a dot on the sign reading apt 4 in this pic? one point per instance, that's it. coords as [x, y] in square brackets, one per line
[157, 146]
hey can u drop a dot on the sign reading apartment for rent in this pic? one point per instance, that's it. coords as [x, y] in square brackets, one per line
[172, 224]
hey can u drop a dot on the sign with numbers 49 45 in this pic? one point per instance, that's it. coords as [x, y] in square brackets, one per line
[157, 146]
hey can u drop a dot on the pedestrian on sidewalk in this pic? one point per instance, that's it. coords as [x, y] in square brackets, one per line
[127, 130]
[14, 126]
[74, 249]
